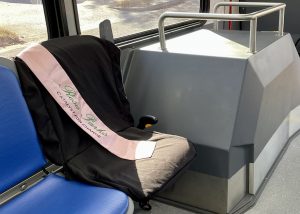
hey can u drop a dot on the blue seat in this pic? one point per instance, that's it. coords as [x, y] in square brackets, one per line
[20, 153]
[56, 195]
[21, 157]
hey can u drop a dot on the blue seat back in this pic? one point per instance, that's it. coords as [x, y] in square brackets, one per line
[20, 153]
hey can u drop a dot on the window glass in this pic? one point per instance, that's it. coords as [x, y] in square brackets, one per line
[21, 22]
[129, 16]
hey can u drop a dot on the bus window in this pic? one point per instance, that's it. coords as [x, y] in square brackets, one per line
[129, 16]
[21, 22]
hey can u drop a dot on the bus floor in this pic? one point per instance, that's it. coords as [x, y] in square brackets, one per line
[281, 194]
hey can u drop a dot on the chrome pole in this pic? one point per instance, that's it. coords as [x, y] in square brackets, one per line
[252, 39]
[281, 22]
[252, 17]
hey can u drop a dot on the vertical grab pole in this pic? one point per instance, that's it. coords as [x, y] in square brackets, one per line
[281, 21]
[216, 25]
[161, 30]
[252, 39]
[216, 22]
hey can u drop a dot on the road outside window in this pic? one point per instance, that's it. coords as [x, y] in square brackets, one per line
[129, 16]
[21, 23]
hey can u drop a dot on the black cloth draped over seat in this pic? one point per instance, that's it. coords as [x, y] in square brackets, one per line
[93, 65]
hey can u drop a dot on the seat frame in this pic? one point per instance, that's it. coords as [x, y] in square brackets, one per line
[28, 182]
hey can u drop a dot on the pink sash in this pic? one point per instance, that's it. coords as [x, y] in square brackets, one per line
[56, 81]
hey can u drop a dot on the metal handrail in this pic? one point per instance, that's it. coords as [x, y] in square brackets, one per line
[252, 17]
[257, 13]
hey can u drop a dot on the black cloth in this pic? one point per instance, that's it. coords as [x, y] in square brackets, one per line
[93, 66]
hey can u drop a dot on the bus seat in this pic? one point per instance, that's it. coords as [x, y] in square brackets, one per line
[21, 155]
[56, 195]
[21, 159]
[93, 65]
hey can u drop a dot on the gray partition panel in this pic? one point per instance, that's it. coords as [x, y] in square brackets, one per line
[227, 101]
[196, 97]
[234, 106]
[278, 68]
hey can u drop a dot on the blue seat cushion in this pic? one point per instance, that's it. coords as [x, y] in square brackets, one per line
[56, 195]
[20, 152]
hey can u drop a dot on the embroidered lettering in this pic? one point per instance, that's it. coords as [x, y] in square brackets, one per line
[71, 94]
[91, 119]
